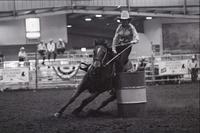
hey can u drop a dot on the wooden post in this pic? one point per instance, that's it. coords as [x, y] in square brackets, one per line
[185, 7]
[152, 62]
[36, 70]
[128, 5]
[152, 67]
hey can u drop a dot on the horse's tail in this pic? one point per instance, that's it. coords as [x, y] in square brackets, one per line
[66, 74]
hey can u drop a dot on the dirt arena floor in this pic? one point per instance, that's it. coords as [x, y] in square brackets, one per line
[170, 109]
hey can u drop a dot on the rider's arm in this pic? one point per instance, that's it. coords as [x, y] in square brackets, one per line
[115, 39]
[135, 34]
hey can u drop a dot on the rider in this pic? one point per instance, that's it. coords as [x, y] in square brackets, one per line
[125, 34]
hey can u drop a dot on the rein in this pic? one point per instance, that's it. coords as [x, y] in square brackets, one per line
[111, 60]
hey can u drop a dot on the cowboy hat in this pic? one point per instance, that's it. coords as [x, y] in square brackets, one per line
[125, 15]
[60, 39]
[22, 48]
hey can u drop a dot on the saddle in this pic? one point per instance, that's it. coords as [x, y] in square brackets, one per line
[84, 66]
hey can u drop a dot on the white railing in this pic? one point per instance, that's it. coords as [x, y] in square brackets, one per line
[44, 76]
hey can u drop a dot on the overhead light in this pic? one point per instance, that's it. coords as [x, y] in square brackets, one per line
[83, 49]
[98, 15]
[33, 35]
[88, 19]
[148, 18]
[32, 28]
[69, 26]
[32, 24]
[119, 6]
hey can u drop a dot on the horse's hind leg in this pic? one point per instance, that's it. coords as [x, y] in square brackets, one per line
[75, 95]
[106, 102]
[85, 102]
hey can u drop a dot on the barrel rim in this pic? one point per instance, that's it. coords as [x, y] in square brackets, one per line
[129, 103]
[132, 87]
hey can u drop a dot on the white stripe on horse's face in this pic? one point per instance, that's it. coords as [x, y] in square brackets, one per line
[98, 50]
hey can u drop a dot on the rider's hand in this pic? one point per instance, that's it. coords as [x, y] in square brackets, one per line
[114, 51]
[134, 42]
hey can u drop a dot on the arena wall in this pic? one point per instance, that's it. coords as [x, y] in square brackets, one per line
[153, 29]
[13, 32]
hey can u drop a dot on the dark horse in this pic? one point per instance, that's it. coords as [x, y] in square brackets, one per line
[98, 79]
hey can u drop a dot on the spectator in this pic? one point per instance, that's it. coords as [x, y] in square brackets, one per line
[193, 68]
[1, 59]
[142, 64]
[51, 49]
[60, 46]
[42, 49]
[22, 54]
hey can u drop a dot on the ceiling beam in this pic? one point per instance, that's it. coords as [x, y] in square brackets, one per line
[122, 7]
[35, 15]
[80, 11]
[72, 16]
[138, 14]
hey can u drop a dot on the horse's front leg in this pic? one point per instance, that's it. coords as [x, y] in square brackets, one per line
[72, 99]
[106, 102]
[85, 102]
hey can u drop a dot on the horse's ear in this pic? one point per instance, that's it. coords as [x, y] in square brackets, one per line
[95, 42]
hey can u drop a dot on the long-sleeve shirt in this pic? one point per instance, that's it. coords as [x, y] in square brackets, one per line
[60, 45]
[125, 35]
[51, 47]
[192, 64]
[41, 46]
[22, 54]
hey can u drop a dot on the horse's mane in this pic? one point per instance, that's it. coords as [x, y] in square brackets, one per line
[104, 43]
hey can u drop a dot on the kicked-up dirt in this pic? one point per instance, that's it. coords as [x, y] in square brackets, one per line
[170, 109]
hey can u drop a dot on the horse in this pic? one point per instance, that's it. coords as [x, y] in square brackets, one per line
[98, 79]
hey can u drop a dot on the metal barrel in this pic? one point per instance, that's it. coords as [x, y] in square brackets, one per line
[131, 93]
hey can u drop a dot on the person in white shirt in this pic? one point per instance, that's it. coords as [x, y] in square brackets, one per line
[51, 49]
[42, 49]
[193, 68]
[60, 46]
[22, 54]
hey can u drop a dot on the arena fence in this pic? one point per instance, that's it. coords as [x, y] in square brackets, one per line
[34, 75]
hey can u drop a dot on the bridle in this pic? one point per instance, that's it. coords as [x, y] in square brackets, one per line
[116, 56]
[102, 61]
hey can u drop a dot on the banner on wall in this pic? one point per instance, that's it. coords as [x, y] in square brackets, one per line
[15, 75]
[173, 67]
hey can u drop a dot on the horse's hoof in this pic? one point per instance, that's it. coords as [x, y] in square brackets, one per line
[57, 115]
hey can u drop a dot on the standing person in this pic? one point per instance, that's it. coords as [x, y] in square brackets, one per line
[60, 46]
[125, 34]
[193, 68]
[51, 49]
[22, 54]
[42, 49]
[1, 59]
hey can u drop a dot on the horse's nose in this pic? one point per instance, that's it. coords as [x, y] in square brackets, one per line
[97, 64]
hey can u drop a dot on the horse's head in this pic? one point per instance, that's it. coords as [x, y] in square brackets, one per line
[100, 53]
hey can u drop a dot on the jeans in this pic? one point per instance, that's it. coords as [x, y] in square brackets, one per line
[123, 58]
